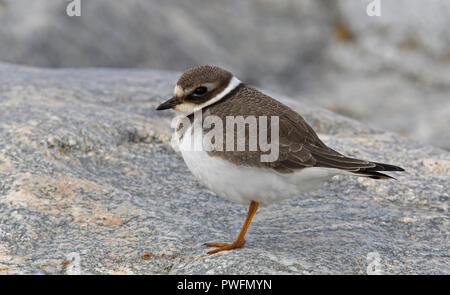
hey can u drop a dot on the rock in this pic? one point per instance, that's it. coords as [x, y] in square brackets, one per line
[395, 72]
[89, 184]
[391, 72]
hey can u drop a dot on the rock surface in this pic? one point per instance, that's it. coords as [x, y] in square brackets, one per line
[391, 72]
[89, 184]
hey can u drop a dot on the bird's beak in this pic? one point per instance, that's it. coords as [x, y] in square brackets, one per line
[168, 104]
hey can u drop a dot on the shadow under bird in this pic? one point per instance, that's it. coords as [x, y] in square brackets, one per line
[304, 162]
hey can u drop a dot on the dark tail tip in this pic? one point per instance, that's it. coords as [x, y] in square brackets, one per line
[386, 167]
[373, 172]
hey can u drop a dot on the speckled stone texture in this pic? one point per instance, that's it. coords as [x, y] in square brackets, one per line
[90, 184]
[391, 72]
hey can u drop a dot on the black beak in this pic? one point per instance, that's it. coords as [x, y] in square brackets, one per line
[168, 104]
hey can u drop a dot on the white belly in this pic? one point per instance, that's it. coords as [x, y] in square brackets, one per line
[245, 184]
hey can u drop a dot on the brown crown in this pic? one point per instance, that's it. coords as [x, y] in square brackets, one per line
[203, 74]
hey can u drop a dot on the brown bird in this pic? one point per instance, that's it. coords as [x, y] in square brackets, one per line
[289, 160]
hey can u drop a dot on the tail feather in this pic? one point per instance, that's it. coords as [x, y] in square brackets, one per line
[373, 172]
[325, 157]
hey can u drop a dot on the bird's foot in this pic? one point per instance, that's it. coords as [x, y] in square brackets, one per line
[224, 246]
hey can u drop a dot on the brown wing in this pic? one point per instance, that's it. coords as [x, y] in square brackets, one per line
[299, 145]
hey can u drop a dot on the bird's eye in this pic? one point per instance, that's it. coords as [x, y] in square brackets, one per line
[200, 90]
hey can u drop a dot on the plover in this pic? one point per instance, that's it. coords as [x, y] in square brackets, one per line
[303, 161]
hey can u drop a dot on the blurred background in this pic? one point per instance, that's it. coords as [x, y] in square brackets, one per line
[390, 71]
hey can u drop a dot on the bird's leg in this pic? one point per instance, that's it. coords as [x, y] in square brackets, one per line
[239, 242]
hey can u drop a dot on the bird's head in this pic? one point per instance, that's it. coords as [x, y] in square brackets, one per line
[199, 87]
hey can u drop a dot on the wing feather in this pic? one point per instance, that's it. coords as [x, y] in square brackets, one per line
[299, 145]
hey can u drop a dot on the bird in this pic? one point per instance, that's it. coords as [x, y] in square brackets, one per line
[303, 162]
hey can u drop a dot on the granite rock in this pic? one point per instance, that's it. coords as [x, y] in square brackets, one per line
[390, 71]
[89, 184]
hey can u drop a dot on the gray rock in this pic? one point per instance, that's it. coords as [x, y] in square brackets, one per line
[391, 72]
[395, 72]
[89, 184]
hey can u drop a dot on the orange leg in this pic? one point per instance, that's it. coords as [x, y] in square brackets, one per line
[239, 242]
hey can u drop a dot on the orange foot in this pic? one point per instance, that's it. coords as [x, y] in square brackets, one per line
[224, 246]
[239, 242]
